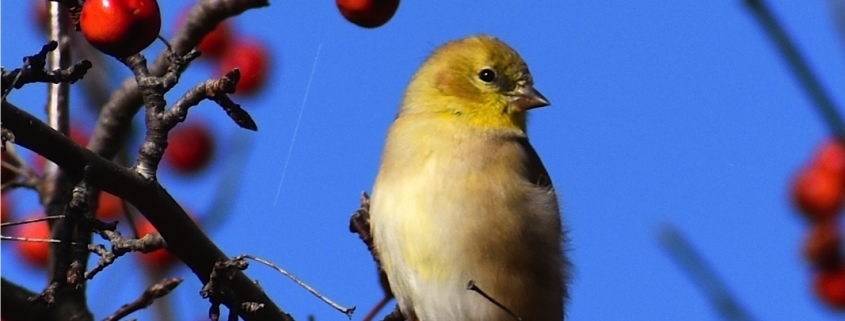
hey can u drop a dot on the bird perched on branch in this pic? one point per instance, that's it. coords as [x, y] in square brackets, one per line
[462, 197]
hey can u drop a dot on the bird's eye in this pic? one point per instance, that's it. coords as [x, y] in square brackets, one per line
[487, 75]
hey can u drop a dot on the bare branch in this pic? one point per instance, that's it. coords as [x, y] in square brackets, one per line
[184, 238]
[34, 70]
[120, 246]
[158, 290]
[112, 128]
[215, 89]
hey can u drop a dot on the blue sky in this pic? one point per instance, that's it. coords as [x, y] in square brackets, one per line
[661, 112]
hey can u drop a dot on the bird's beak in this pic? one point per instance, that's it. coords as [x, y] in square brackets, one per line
[526, 97]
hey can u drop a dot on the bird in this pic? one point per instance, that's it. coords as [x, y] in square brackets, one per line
[462, 198]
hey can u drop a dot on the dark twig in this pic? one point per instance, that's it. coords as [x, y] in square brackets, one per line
[66, 262]
[796, 62]
[120, 246]
[702, 275]
[215, 89]
[473, 287]
[34, 70]
[158, 290]
[347, 311]
[32, 220]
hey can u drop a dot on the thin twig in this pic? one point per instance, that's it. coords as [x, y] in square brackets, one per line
[28, 239]
[376, 309]
[32, 220]
[473, 287]
[702, 275]
[158, 290]
[796, 62]
[347, 311]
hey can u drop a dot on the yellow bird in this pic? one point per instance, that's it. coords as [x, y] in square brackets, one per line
[462, 196]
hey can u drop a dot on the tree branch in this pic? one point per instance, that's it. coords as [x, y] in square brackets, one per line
[184, 238]
[112, 126]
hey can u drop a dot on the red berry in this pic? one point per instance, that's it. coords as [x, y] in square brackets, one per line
[35, 253]
[111, 207]
[818, 193]
[831, 157]
[368, 13]
[253, 60]
[830, 287]
[822, 245]
[189, 148]
[158, 259]
[120, 28]
[215, 42]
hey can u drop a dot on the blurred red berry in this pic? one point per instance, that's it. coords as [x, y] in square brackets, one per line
[830, 287]
[253, 60]
[111, 207]
[40, 15]
[822, 245]
[215, 42]
[189, 148]
[34, 253]
[120, 28]
[159, 259]
[368, 13]
[831, 157]
[818, 193]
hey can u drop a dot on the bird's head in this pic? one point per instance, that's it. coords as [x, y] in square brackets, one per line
[479, 80]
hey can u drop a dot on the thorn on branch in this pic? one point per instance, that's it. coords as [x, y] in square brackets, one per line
[158, 290]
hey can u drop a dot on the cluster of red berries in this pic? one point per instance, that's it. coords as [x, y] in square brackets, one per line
[819, 192]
